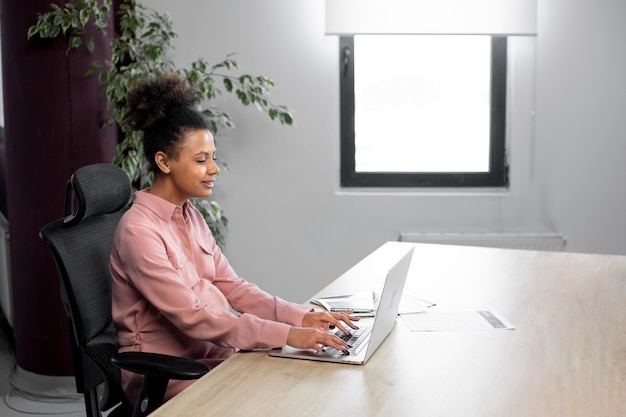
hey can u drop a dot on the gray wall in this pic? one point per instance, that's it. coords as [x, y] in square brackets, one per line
[293, 230]
[581, 123]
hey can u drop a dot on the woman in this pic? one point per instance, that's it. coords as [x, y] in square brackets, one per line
[174, 291]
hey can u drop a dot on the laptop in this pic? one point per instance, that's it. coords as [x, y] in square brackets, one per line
[372, 336]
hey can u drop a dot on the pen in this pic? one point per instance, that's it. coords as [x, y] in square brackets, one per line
[428, 303]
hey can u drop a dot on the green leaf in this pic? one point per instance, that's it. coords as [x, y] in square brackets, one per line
[286, 118]
[228, 84]
[75, 42]
[89, 43]
[65, 25]
[84, 17]
[32, 31]
[243, 98]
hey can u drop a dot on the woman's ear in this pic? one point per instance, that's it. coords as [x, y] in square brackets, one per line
[161, 160]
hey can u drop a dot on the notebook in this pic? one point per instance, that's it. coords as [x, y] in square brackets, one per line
[361, 304]
[383, 322]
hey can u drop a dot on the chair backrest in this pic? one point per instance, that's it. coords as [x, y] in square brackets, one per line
[96, 197]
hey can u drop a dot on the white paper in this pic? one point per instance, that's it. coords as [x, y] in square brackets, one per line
[436, 320]
[411, 304]
[365, 304]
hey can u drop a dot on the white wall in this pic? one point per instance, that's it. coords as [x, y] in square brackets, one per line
[581, 122]
[293, 230]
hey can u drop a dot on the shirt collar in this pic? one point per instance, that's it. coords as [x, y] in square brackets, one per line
[161, 207]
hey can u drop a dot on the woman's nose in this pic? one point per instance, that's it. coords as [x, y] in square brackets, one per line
[215, 168]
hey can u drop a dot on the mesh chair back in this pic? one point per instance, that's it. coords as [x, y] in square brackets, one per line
[96, 197]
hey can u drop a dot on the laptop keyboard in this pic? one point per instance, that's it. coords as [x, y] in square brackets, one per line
[354, 339]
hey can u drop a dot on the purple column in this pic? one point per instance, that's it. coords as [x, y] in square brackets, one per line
[53, 125]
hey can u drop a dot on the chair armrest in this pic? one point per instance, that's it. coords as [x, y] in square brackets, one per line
[159, 365]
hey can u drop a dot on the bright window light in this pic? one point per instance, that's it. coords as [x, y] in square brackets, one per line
[422, 103]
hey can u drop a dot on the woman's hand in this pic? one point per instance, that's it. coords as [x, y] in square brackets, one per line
[313, 334]
[314, 338]
[326, 320]
[314, 331]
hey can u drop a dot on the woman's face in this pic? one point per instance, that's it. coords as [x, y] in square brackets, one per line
[194, 170]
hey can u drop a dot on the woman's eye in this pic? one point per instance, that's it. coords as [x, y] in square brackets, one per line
[202, 161]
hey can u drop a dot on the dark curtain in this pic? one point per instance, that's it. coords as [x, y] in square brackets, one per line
[53, 125]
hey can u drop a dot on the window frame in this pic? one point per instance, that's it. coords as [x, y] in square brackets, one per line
[498, 174]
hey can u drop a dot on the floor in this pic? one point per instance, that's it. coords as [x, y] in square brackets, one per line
[26, 394]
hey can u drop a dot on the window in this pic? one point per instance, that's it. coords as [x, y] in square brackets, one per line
[423, 111]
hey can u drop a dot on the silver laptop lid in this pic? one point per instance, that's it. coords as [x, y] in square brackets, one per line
[386, 314]
[389, 304]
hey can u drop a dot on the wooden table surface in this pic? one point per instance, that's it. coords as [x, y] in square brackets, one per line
[565, 357]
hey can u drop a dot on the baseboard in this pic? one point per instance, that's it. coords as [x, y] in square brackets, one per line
[37, 394]
[53, 386]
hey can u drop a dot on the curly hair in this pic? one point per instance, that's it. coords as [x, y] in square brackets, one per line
[163, 109]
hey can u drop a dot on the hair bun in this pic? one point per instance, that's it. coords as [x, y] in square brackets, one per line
[151, 100]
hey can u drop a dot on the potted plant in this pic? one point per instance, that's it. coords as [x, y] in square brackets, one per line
[139, 49]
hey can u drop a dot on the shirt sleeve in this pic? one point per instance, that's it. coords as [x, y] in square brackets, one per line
[248, 298]
[199, 306]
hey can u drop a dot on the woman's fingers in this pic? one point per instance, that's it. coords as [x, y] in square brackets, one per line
[339, 320]
[314, 338]
[326, 320]
[332, 341]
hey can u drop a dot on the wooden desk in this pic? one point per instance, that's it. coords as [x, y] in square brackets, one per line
[566, 357]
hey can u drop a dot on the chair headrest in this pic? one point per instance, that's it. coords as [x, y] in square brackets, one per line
[98, 189]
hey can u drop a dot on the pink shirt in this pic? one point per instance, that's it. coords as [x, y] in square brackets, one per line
[173, 290]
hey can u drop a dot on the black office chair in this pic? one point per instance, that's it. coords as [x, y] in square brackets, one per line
[96, 196]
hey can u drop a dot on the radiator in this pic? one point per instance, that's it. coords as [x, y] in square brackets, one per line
[532, 241]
